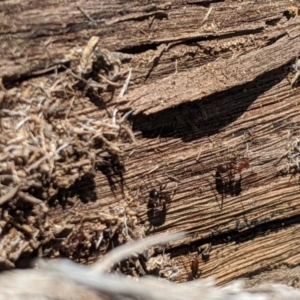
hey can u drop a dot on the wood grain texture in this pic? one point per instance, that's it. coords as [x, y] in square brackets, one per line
[236, 259]
[262, 126]
[36, 36]
[212, 77]
[202, 93]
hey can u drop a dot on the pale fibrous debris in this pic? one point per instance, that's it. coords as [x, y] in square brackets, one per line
[47, 146]
[292, 11]
[165, 267]
[296, 71]
[293, 155]
[81, 282]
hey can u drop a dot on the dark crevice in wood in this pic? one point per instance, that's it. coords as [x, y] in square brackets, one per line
[204, 3]
[209, 115]
[138, 49]
[239, 236]
[274, 39]
[273, 22]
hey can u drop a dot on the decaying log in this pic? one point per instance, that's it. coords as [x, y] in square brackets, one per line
[207, 83]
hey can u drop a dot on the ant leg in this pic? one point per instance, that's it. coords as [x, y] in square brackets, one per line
[162, 187]
[231, 176]
[222, 200]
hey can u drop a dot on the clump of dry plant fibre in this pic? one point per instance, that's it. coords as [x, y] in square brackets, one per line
[49, 141]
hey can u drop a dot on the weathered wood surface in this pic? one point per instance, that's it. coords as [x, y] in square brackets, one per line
[201, 92]
[245, 255]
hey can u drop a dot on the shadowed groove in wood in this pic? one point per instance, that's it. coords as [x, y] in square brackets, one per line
[267, 251]
[209, 115]
[269, 244]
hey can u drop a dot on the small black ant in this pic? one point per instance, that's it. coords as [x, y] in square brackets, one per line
[157, 205]
[159, 198]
